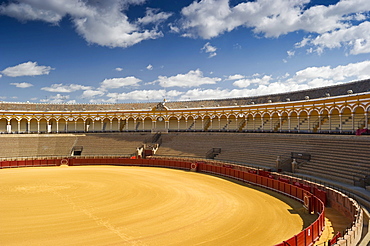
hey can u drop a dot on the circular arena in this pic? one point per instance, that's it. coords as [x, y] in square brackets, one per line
[186, 173]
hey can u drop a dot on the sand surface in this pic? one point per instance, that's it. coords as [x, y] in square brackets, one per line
[107, 205]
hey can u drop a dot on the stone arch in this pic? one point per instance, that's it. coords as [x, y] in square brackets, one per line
[52, 126]
[131, 123]
[43, 125]
[14, 125]
[106, 127]
[275, 122]
[257, 121]
[147, 124]
[3, 124]
[314, 120]
[249, 122]
[304, 121]
[347, 121]
[23, 125]
[80, 125]
[97, 124]
[359, 118]
[182, 123]
[266, 122]
[293, 121]
[190, 123]
[334, 120]
[173, 123]
[89, 125]
[284, 122]
[324, 121]
[232, 123]
[33, 125]
[115, 124]
[223, 122]
[207, 123]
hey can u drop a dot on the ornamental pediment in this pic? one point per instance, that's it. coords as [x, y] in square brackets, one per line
[160, 107]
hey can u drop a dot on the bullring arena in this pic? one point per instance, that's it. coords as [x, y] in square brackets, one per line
[284, 169]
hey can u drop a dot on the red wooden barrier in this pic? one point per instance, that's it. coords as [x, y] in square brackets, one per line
[21, 163]
[13, 164]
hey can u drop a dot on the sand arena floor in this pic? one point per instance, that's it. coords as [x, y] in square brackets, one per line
[107, 205]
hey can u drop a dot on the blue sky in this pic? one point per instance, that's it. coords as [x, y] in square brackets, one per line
[114, 51]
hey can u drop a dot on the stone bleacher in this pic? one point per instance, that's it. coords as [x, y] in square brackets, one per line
[342, 158]
[36, 145]
[110, 144]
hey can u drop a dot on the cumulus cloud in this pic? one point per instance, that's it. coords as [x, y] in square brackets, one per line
[22, 85]
[58, 98]
[266, 84]
[98, 22]
[118, 69]
[343, 23]
[92, 94]
[210, 18]
[26, 69]
[142, 95]
[192, 79]
[247, 82]
[107, 85]
[154, 16]
[272, 88]
[211, 50]
[342, 73]
[235, 77]
[65, 88]
[311, 77]
[119, 82]
[355, 37]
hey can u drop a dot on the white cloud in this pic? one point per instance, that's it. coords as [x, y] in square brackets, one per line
[210, 18]
[22, 85]
[191, 79]
[235, 77]
[118, 69]
[290, 53]
[65, 88]
[154, 16]
[58, 98]
[304, 79]
[92, 94]
[355, 37]
[149, 67]
[218, 93]
[342, 73]
[99, 22]
[343, 23]
[119, 82]
[211, 50]
[142, 95]
[242, 83]
[26, 69]
[173, 28]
